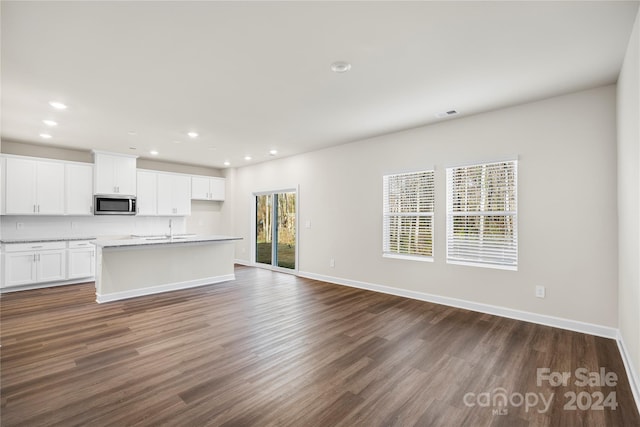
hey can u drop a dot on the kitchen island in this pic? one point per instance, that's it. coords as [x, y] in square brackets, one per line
[132, 267]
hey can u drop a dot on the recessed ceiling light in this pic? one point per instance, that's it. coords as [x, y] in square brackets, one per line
[132, 148]
[273, 152]
[247, 158]
[50, 123]
[132, 132]
[193, 134]
[58, 105]
[340, 67]
[227, 162]
[45, 135]
[153, 152]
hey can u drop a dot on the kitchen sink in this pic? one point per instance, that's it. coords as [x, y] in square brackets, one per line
[167, 237]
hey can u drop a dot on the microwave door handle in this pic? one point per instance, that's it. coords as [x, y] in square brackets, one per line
[130, 205]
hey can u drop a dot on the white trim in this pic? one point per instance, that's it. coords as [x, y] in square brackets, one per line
[407, 257]
[483, 265]
[243, 262]
[497, 159]
[112, 153]
[101, 298]
[557, 322]
[634, 379]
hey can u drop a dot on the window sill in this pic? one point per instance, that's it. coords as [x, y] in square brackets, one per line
[409, 257]
[484, 265]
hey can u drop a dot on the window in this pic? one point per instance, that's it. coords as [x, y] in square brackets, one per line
[482, 222]
[408, 216]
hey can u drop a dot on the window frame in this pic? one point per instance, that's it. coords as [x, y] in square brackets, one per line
[387, 215]
[451, 214]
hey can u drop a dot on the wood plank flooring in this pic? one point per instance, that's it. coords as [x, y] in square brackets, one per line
[271, 349]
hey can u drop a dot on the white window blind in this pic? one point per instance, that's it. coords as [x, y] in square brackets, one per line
[482, 215]
[408, 215]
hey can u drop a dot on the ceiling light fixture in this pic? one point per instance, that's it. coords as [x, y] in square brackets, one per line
[273, 152]
[50, 123]
[247, 158]
[153, 152]
[192, 134]
[45, 135]
[58, 105]
[227, 163]
[340, 67]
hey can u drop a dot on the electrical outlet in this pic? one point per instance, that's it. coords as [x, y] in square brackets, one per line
[19, 225]
[540, 291]
[332, 263]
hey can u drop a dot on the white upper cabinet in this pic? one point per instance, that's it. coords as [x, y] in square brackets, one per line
[114, 174]
[174, 194]
[78, 189]
[207, 188]
[147, 199]
[34, 187]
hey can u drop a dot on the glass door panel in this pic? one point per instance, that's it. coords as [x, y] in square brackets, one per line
[285, 210]
[264, 229]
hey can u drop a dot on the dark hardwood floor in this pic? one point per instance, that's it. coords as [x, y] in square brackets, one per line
[271, 349]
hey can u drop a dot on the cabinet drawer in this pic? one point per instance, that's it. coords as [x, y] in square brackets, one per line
[36, 246]
[80, 244]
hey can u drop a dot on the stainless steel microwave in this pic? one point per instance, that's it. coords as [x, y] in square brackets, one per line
[114, 205]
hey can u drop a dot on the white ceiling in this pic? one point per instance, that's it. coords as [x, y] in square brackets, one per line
[255, 76]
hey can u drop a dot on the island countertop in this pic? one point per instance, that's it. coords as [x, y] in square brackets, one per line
[161, 240]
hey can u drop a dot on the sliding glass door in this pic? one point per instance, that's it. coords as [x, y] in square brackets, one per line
[275, 224]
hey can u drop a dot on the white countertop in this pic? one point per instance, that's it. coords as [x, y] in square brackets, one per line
[161, 240]
[45, 239]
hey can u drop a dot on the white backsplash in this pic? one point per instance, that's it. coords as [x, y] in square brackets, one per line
[30, 226]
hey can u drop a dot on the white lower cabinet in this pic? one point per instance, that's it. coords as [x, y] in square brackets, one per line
[81, 260]
[47, 262]
[28, 263]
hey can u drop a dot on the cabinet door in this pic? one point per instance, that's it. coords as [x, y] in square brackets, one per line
[174, 194]
[147, 202]
[165, 191]
[20, 268]
[79, 189]
[200, 188]
[217, 189]
[104, 174]
[81, 263]
[181, 194]
[125, 173]
[20, 186]
[51, 265]
[50, 188]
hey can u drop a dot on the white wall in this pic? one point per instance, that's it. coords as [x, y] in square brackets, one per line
[567, 206]
[629, 199]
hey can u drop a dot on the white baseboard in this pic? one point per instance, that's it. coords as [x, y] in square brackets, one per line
[634, 379]
[101, 298]
[243, 262]
[557, 322]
